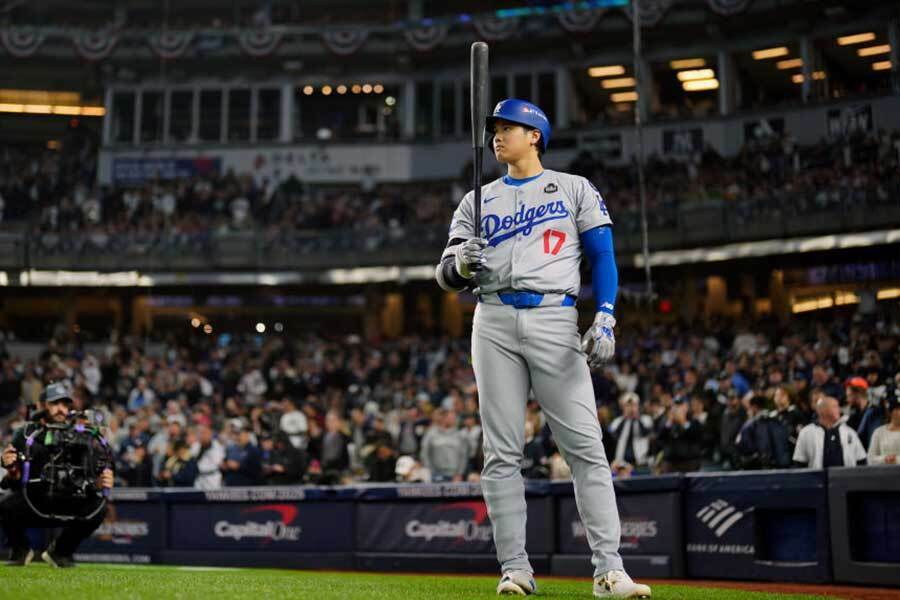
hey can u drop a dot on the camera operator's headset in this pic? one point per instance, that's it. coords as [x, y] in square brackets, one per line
[92, 466]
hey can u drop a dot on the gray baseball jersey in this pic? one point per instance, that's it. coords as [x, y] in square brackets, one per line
[533, 231]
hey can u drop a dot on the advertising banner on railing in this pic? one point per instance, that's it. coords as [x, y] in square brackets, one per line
[758, 526]
[131, 532]
[263, 526]
[443, 526]
[134, 171]
[649, 525]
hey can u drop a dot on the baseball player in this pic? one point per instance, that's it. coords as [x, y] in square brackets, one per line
[536, 226]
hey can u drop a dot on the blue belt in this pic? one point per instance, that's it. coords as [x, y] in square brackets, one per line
[526, 299]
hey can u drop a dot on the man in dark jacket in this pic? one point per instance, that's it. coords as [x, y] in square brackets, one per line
[282, 463]
[243, 462]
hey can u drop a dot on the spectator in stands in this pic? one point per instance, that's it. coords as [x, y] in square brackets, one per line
[335, 458]
[856, 393]
[632, 432]
[243, 462]
[533, 459]
[829, 442]
[136, 468]
[293, 422]
[875, 414]
[445, 451]
[209, 453]
[180, 468]
[885, 446]
[787, 413]
[708, 425]
[160, 443]
[142, 395]
[733, 418]
[680, 440]
[409, 470]
[764, 441]
[282, 463]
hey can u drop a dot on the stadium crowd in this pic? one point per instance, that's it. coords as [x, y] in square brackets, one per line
[277, 410]
[52, 195]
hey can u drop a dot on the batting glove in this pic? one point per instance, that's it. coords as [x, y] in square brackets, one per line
[601, 335]
[469, 257]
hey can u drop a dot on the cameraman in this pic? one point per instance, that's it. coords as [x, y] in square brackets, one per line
[15, 514]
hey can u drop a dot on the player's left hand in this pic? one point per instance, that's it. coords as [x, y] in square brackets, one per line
[604, 341]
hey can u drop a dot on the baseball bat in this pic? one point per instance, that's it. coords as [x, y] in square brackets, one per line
[478, 99]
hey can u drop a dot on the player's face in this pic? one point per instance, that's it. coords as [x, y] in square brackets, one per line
[512, 141]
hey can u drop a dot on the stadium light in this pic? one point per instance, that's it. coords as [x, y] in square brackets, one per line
[367, 88]
[888, 293]
[207, 329]
[700, 85]
[884, 65]
[817, 76]
[791, 63]
[688, 63]
[621, 82]
[326, 90]
[47, 109]
[857, 38]
[356, 88]
[195, 322]
[378, 88]
[279, 327]
[308, 90]
[874, 50]
[770, 53]
[812, 304]
[696, 74]
[260, 328]
[607, 71]
[390, 101]
[342, 89]
[14, 96]
[624, 97]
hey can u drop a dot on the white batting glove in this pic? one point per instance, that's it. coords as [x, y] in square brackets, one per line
[601, 335]
[469, 257]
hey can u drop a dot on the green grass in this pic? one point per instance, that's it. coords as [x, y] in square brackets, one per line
[97, 582]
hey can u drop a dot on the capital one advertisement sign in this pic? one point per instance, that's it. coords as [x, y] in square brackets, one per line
[461, 526]
[295, 526]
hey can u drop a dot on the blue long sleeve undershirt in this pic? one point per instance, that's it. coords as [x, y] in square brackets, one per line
[598, 247]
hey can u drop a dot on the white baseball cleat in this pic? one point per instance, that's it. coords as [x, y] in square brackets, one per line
[617, 584]
[516, 583]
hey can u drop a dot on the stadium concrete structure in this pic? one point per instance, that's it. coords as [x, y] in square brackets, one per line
[333, 99]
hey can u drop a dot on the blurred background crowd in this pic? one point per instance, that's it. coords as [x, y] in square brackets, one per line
[53, 195]
[207, 412]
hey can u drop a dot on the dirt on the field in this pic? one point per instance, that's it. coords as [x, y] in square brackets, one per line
[837, 591]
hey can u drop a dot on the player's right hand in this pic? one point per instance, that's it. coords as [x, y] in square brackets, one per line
[469, 257]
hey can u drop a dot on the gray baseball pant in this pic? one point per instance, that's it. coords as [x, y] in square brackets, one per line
[540, 348]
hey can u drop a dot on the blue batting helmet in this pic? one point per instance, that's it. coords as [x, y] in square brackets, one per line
[523, 113]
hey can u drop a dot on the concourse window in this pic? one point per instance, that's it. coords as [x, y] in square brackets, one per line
[238, 115]
[152, 116]
[268, 114]
[181, 115]
[123, 117]
[211, 115]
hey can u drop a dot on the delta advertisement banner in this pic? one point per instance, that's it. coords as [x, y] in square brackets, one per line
[753, 527]
[262, 527]
[452, 526]
[133, 171]
[649, 525]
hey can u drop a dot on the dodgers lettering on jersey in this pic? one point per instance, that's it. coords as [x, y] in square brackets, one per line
[533, 231]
